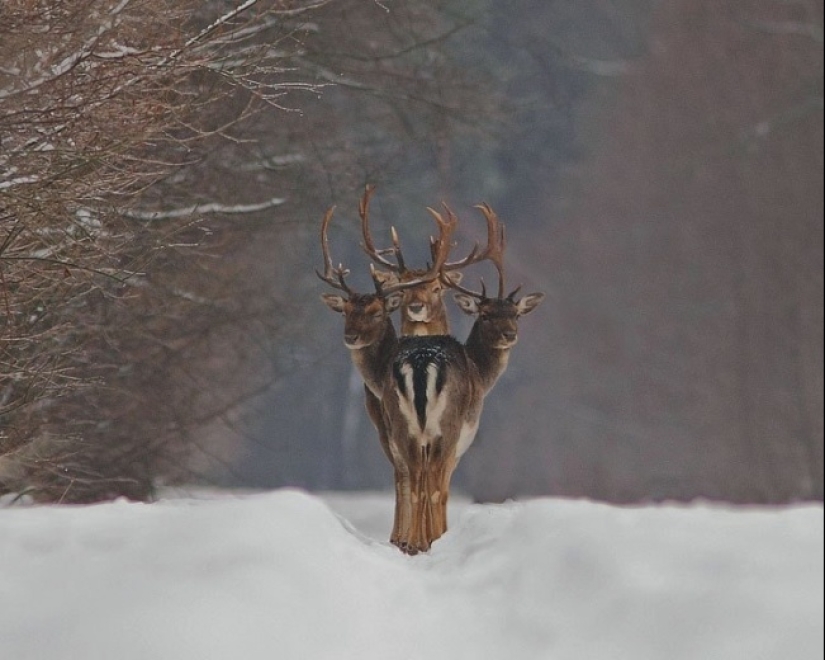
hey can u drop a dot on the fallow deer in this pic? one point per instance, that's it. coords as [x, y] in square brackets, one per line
[431, 389]
[422, 308]
[433, 398]
[368, 329]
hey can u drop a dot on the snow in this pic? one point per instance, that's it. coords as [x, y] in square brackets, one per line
[289, 575]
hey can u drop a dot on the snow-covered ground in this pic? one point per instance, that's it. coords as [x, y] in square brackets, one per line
[291, 576]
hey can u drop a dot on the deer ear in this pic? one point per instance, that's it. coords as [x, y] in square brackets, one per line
[393, 301]
[334, 302]
[529, 303]
[468, 304]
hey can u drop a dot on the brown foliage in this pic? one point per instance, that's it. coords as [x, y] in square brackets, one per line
[98, 101]
[150, 151]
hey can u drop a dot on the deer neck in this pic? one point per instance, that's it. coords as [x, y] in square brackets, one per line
[372, 361]
[489, 361]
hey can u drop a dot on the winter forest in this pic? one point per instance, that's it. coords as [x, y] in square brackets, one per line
[646, 482]
[164, 167]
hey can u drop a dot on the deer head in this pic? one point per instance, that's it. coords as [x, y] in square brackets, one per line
[366, 315]
[496, 326]
[422, 306]
[496, 323]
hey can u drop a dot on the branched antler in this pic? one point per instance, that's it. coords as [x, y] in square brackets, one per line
[369, 246]
[439, 247]
[493, 252]
[446, 230]
[332, 276]
[335, 277]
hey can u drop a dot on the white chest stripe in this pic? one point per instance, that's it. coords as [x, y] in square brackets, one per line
[435, 406]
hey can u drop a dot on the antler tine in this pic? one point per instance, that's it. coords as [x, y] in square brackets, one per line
[396, 250]
[496, 243]
[440, 249]
[493, 251]
[368, 244]
[332, 276]
[475, 294]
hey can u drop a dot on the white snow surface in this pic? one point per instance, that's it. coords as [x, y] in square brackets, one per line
[286, 575]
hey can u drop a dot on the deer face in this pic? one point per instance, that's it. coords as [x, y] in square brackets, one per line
[497, 318]
[423, 303]
[365, 316]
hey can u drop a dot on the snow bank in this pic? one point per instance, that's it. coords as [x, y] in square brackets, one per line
[282, 576]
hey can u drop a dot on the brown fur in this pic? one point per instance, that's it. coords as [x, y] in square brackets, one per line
[423, 464]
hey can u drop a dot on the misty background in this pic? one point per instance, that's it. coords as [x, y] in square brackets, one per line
[164, 168]
[659, 169]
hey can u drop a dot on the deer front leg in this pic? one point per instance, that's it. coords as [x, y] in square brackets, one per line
[439, 470]
[444, 476]
[428, 521]
[420, 522]
[402, 522]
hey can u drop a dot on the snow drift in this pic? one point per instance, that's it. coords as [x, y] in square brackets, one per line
[286, 575]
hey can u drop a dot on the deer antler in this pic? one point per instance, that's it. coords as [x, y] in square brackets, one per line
[335, 276]
[369, 246]
[332, 276]
[439, 247]
[496, 243]
[493, 252]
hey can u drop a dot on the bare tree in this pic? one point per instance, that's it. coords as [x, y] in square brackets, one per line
[155, 156]
[99, 100]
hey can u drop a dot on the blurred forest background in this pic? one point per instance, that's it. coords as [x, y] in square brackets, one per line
[164, 167]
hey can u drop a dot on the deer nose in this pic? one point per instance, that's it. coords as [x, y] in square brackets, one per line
[351, 338]
[509, 335]
[416, 308]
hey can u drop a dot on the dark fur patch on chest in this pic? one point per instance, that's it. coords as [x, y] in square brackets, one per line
[419, 353]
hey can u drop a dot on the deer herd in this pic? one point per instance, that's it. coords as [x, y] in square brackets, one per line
[424, 389]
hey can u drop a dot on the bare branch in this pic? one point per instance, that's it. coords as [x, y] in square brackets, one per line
[203, 209]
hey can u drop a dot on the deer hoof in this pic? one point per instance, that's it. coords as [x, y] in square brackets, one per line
[408, 548]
